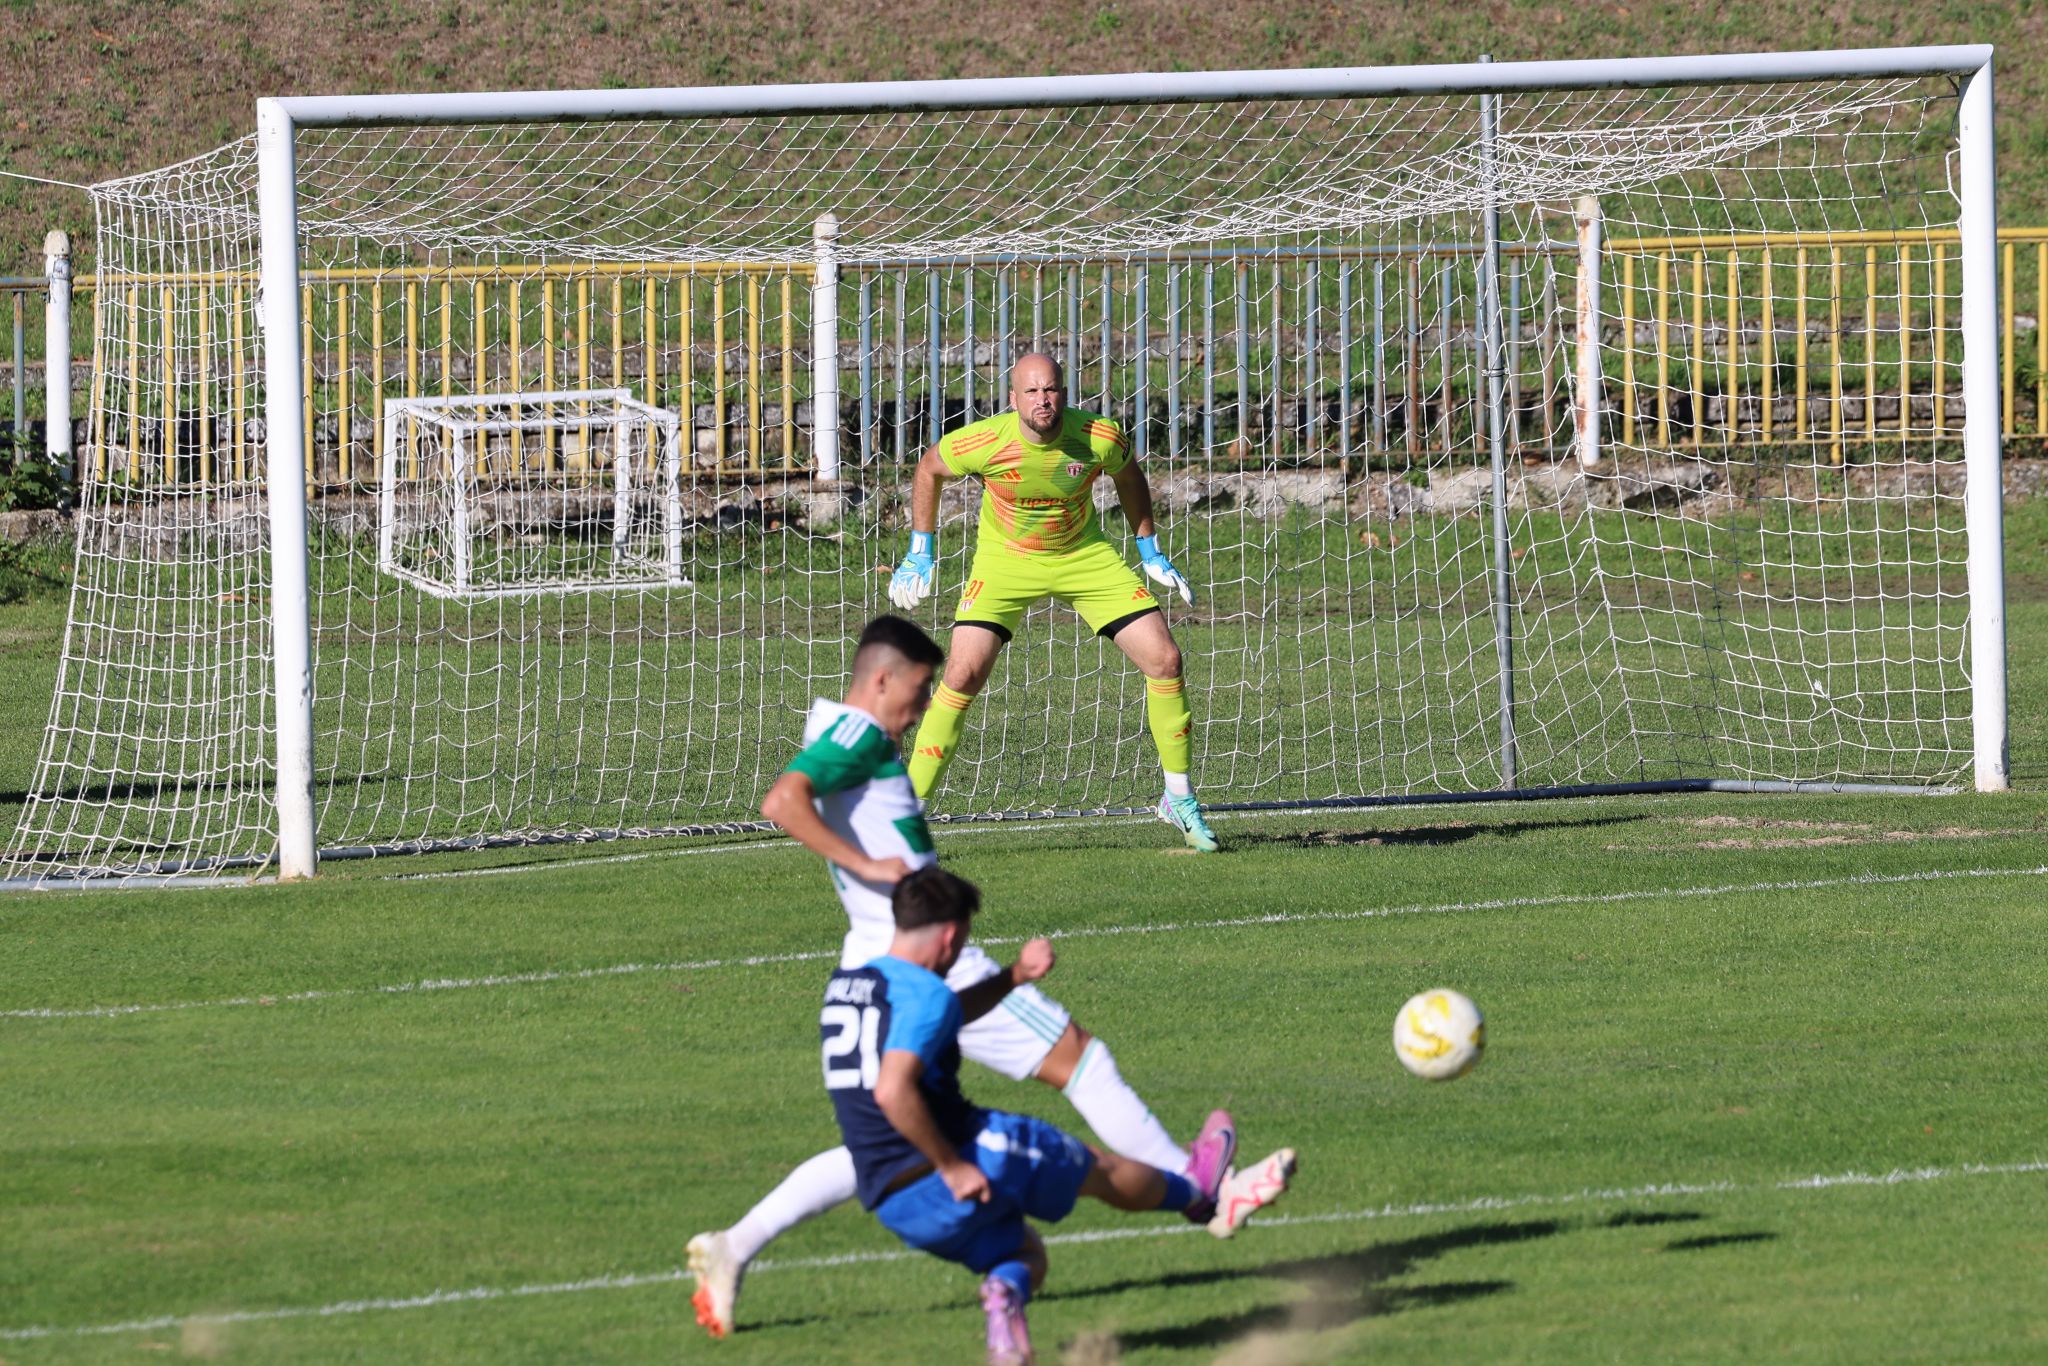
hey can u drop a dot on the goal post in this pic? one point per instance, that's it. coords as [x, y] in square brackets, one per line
[1982, 439]
[1377, 331]
[287, 473]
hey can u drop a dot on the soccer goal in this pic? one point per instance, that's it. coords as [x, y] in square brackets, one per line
[579, 491]
[496, 467]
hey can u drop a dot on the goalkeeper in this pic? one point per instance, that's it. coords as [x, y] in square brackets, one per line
[1039, 538]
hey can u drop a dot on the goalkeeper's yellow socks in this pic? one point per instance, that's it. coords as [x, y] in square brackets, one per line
[1166, 708]
[938, 735]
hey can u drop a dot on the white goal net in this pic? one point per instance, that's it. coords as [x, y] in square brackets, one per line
[606, 433]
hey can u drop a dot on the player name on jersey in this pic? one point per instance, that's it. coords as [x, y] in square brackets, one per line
[852, 991]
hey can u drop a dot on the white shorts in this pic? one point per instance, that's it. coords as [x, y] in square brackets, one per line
[1014, 1038]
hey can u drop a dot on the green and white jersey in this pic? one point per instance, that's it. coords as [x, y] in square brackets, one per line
[864, 796]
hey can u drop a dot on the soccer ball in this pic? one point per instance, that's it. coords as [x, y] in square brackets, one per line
[1439, 1035]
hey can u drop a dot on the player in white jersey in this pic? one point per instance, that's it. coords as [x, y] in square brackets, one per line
[847, 798]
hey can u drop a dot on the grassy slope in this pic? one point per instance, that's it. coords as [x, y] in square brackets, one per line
[135, 84]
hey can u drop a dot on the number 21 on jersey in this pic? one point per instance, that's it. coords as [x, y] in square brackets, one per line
[850, 1043]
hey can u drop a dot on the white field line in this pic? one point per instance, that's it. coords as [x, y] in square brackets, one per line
[228, 883]
[779, 842]
[1094, 932]
[1481, 1205]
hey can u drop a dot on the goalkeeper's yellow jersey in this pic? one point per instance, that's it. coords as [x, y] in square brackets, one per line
[1035, 499]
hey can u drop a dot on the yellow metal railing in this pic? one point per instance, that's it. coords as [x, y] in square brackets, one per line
[1816, 338]
[369, 335]
[1888, 341]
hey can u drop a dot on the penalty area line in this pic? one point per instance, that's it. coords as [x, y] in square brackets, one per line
[1509, 903]
[753, 847]
[630, 1281]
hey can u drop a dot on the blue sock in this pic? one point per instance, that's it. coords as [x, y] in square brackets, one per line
[1017, 1276]
[1180, 1192]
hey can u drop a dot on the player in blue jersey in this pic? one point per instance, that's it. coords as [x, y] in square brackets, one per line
[947, 1176]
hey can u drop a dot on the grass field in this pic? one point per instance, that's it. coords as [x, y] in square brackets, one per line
[1763, 1079]
[1764, 1075]
[1693, 1004]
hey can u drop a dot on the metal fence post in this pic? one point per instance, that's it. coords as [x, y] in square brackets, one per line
[1587, 404]
[20, 375]
[825, 349]
[57, 352]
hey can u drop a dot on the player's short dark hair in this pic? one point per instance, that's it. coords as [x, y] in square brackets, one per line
[894, 635]
[933, 896]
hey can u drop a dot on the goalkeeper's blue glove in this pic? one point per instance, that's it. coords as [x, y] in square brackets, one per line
[1160, 570]
[912, 581]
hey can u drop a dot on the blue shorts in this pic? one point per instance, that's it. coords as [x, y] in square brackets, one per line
[1033, 1168]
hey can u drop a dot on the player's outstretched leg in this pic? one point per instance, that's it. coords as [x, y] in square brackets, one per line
[1086, 1073]
[1082, 1066]
[1247, 1192]
[1121, 1183]
[719, 1258]
[1136, 1188]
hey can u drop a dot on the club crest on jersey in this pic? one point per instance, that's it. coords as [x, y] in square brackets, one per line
[1075, 470]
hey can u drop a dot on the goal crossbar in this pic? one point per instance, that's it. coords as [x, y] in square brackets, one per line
[683, 102]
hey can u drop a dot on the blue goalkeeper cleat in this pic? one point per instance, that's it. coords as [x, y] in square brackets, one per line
[1185, 815]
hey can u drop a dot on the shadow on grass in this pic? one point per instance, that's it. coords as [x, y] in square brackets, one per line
[1718, 1240]
[1342, 1288]
[1633, 1218]
[1346, 1286]
[1449, 832]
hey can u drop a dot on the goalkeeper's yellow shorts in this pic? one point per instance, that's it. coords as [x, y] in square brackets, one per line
[1092, 578]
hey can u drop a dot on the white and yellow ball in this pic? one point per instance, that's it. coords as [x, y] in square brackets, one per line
[1439, 1034]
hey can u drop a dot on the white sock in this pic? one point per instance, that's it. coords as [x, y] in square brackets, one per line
[816, 1186]
[1115, 1113]
[1177, 785]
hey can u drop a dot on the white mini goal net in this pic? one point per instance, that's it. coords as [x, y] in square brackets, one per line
[492, 494]
[1531, 427]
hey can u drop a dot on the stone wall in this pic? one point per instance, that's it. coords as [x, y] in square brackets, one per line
[1688, 488]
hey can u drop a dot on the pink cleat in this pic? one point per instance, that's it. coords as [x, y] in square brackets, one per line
[1209, 1162]
[1009, 1337]
[1249, 1191]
